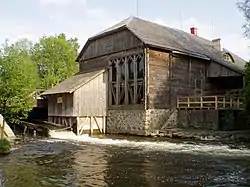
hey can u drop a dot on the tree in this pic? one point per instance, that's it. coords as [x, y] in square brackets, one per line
[55, 58]
[18, 77]
[244, 7]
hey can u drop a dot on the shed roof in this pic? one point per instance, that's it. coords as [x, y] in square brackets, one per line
[168, 38]
[73, 83]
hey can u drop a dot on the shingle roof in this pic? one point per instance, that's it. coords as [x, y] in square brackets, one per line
[72, 83]
[164, 37]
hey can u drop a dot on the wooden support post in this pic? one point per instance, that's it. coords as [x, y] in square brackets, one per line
[90, 126]
[118, 80]
[99, 128]
[110, 87]
[224, 102]
[2, 129]
[216, 102]
[135, 79]
[104, 124]
[188, 102]
[201, 102]
[238, 103]
[77, 125]
[126, 80]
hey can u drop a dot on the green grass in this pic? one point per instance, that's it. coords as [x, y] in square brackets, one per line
[5, 147]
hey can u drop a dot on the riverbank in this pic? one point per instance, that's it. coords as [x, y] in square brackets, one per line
[224, 136]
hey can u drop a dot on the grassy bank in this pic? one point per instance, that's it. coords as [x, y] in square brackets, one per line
[5, 147]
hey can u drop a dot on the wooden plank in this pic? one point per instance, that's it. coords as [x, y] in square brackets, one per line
[135, 79]
[90, 99]
[126, 81]
[118, 76]
[119, 41]
[99, 128]
[90, 126]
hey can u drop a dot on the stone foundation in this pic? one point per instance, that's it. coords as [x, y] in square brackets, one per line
[156, 118]
[198, 119]
[139, 122]
[126, 122]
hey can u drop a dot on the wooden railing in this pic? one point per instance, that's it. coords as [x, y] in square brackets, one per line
[210, 102]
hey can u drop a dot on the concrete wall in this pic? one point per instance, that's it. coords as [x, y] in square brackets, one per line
[198, 119]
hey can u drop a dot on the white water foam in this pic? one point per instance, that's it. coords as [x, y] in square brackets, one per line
[150, 145]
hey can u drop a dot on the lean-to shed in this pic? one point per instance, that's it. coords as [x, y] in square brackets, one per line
[79, 101]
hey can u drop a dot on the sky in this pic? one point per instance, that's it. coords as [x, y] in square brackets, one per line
[33, 19]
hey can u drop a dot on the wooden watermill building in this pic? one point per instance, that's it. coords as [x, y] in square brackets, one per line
[140, 77]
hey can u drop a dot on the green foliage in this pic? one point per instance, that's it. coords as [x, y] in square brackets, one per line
[55, 58]
[244, 7]
[5, 146]
[227, 119]
[25, 67]
[247, 88]
[18, 77]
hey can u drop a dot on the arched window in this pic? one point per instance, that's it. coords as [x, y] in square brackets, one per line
[227, 57]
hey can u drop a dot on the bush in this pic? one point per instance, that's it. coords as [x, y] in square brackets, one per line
[5, 147]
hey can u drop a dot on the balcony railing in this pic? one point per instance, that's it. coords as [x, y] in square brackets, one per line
[210, 102]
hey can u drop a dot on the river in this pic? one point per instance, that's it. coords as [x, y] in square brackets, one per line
[125, 162]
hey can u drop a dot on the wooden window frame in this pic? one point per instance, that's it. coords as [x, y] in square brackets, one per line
[124, 90]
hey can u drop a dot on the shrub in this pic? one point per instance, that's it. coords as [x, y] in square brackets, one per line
[5, 146]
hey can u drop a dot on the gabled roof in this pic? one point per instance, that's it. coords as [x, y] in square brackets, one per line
[73, 83]
[160, 36]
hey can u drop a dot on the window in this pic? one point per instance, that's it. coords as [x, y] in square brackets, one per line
[128, 89]
[198, 86]
[227, 57]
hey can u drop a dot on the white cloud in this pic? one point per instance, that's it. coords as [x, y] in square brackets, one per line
[90, 21]
[61, 2]
[234, 42]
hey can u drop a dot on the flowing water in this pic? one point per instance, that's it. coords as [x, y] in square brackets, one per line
[133, 162]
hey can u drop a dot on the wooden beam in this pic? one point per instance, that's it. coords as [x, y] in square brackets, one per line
[99, 128]
[104, 124]
[110, 96]
[146, 77]
[118, 78]
[90, 126]
[126, 80]
[134, 60]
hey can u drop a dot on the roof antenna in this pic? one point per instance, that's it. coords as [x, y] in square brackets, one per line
[137, 7]
[212, 28]
[181, 19]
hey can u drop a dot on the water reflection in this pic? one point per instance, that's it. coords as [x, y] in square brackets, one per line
[125, 168]
[89, 165]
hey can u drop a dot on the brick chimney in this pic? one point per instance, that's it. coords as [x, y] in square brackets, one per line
[216, 44]
[193, 31]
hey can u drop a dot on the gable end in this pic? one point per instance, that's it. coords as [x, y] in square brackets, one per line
[114, 41]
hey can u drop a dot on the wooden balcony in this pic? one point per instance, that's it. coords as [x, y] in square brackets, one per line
[210, 102]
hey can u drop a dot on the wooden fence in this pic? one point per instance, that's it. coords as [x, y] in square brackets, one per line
[210, 102]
